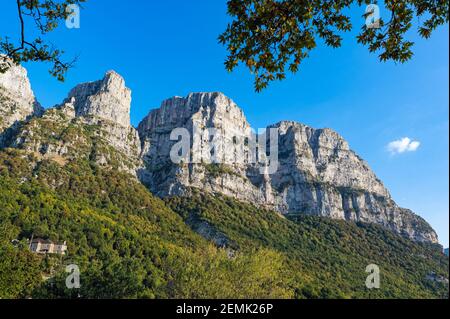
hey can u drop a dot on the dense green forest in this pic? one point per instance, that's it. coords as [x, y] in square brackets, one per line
[129, 244]
[324, 258]
[125, 241]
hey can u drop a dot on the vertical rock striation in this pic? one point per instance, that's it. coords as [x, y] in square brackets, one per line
[318, 174]
[17, 101]
[107, 103]
[108, 99]
[198, 111]
[93, 118]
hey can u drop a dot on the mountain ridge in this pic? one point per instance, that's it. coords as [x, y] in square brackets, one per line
[356, 194]
[79, 177]
[318, 173]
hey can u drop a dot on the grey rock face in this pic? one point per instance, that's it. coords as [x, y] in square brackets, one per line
[106, 103]
[101, 107]
[197, 110]
[60, 136]
[107, 99]
[17, 101]
[318, 174]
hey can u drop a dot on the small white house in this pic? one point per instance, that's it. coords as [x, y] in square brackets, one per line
[45, 246]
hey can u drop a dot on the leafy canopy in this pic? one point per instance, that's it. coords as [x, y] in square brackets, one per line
[46, 15]
[273, 36]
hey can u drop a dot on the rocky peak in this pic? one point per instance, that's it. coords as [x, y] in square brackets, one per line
[318, 174]
[195, 113]
[16, 83]
[107, 99]
[100, 111]
[324, 156]
[314, 137]
[17, 100]
[214, 109]
[106, 103]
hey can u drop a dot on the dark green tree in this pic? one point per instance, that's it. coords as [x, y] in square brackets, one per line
[272, 37]
[44, 16]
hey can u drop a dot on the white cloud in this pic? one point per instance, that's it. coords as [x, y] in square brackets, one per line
[403, 145]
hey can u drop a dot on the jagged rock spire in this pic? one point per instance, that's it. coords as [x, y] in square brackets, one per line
[17, 100]
[318, 174]
[107, 99]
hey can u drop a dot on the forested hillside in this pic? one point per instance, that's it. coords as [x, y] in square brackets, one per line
[125, 241]
[129, 244]
[71, 175]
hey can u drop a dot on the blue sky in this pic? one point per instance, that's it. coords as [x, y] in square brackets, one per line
[167, 48]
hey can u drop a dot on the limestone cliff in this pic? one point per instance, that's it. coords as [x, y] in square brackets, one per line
[106, 103]
[92, 122]
[108, 98]
[317, 174]
[16, 99]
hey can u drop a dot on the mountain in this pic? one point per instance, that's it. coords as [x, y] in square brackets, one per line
[318, 174]
[82, 128]
[80, 173]
[17, 100]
